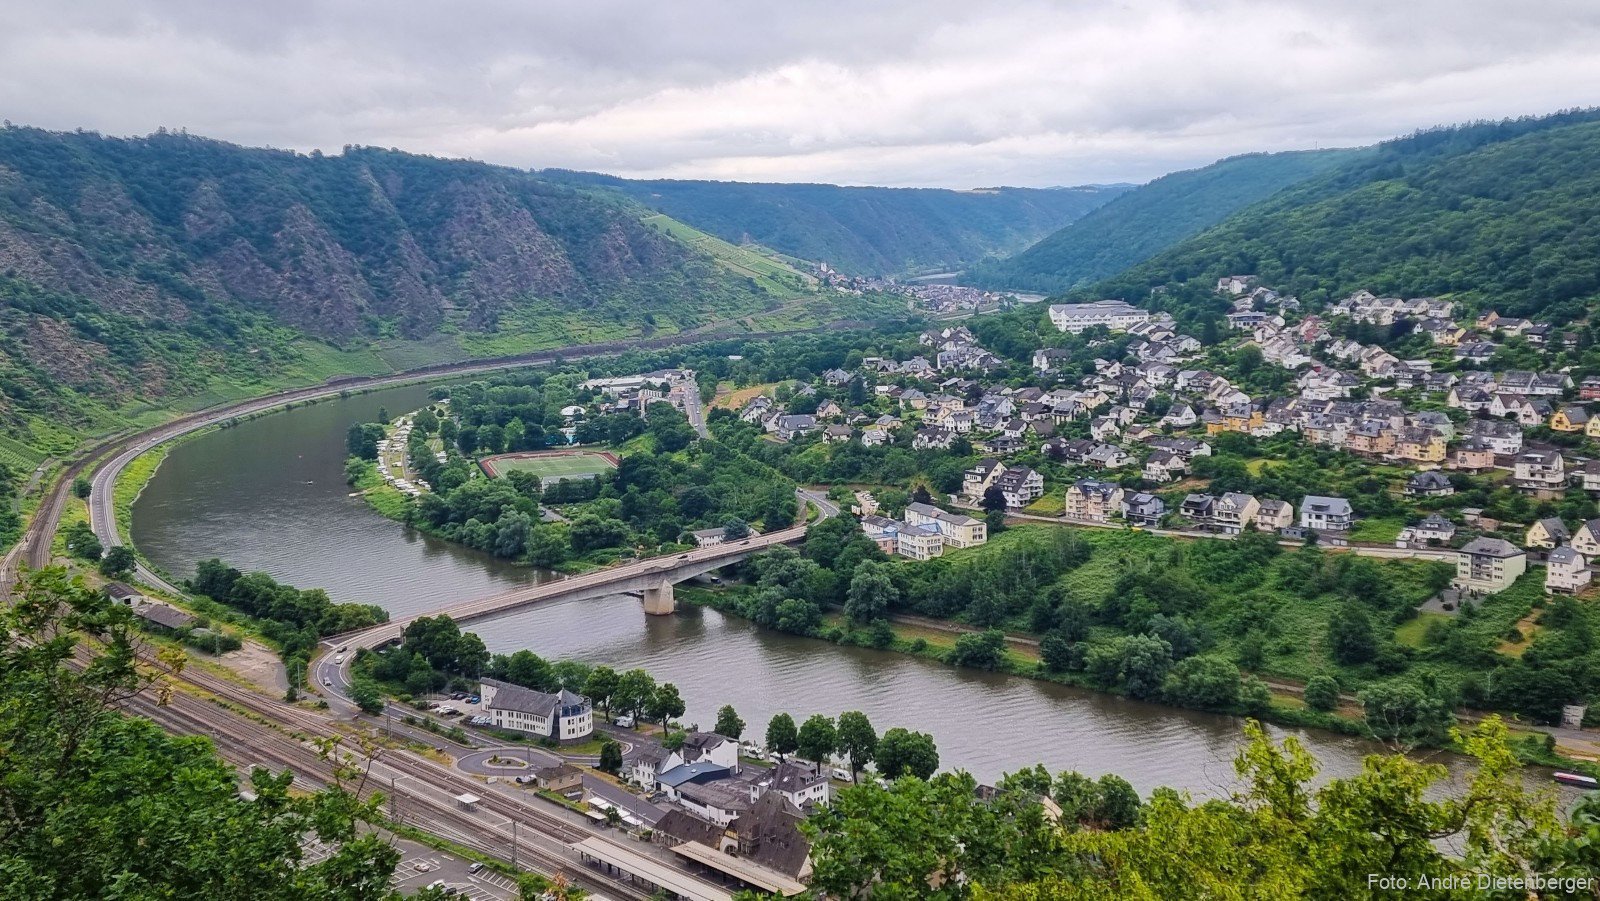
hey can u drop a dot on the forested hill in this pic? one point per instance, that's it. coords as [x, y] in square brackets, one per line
[1505, 214]
[866, 231]
[139, 269]
[1150, 219]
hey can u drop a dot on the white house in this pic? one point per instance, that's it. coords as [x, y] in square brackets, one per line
[1327, 513]
[1566, 572]
[562, 716]
[1116, 315]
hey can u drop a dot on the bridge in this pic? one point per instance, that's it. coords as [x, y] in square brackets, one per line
[652, 578]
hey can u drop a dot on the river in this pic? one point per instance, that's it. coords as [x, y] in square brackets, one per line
[269, 494]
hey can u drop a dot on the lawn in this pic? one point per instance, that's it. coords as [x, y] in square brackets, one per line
[1411, 632]
[549, 467]
[1376, 531]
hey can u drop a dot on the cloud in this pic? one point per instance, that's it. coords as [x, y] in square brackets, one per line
[904, 93]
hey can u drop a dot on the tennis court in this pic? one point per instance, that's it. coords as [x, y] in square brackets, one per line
[550, 467]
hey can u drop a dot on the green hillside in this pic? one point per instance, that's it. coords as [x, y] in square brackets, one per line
[1504, 214]
[145, 274]
[1150, 219]
[865, 231]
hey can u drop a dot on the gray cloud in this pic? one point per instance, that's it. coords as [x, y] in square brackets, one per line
[904, 93]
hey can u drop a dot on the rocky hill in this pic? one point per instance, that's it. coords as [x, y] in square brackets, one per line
[136, 269]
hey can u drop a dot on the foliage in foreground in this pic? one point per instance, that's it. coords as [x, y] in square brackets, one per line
[1278, 837]
[97, 804]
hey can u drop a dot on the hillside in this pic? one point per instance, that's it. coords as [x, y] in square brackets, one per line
[1504, 214]
[134, 271]
[865, 231]
[1151, 218]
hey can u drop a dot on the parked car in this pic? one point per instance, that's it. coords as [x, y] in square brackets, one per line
[459, 696]
[474, 699]
[625, 721]
[841, 774]
[475, 868]
[525, 780]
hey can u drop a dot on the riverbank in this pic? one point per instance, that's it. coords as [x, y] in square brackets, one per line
[935, 641]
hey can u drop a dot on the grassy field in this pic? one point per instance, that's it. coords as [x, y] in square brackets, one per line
[551, 467]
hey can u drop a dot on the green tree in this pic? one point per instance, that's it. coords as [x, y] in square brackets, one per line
[857, 740]
[610, 757]
[367, 696]
[816, 739]
[81, 487]
[872, 594]
[783, 738]
[601, 687]
[1322, 692]
[1208, 682]
[666, 705]
[1137, 664]
[118, 561]
[903, 752]
[728, 722]
[82, 542]
[1405, 712]
[980, 650]
[1351, 636]
[634, 692]
[100, 804]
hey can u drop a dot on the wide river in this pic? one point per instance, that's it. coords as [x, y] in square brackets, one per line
[269, 494]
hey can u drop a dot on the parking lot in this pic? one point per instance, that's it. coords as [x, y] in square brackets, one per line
[421, 866]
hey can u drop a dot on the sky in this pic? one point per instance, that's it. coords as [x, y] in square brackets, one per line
[893, 92]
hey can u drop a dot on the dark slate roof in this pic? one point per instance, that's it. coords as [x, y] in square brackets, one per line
[525, 700]
[682, 826]
[163, 615]
[769, 834]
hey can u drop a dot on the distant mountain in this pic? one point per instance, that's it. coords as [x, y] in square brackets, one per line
[865, 231]
[137, 269]
[1502, 213]
[1151, 218]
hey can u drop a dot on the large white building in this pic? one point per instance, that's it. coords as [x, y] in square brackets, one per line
[1116, 315]
[562, 716]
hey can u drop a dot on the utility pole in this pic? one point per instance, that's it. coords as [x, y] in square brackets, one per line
[514, 867]
[392, 817]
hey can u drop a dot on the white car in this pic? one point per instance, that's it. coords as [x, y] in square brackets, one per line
[625, 721]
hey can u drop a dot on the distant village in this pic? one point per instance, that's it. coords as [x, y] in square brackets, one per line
[933, 299]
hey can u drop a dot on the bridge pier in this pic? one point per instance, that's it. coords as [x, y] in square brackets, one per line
[659, 601]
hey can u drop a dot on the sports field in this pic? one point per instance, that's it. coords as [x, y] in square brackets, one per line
[550, 467]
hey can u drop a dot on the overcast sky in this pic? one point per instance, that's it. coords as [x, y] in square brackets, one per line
[893, 92]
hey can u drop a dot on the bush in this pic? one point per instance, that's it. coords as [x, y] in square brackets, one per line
[1322, 692]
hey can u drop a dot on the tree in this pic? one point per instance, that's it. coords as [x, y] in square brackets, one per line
[666, 705]
[994, 500]
[783, 738]
[635, 690]
[902, 752]
[1322, 692]
[610, 757]
[82, 542]
[980, 650]
[367, 696]
[872, 594]
[1404, 712]
[816, 739]
[101, 804]
[1208, 682]
[735, 530]
[118, 561]
[728, 722]
[857, 740]
[1056, 653]
[1350, 635]
[81, 487]
[1137, 664]
[601, 687]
